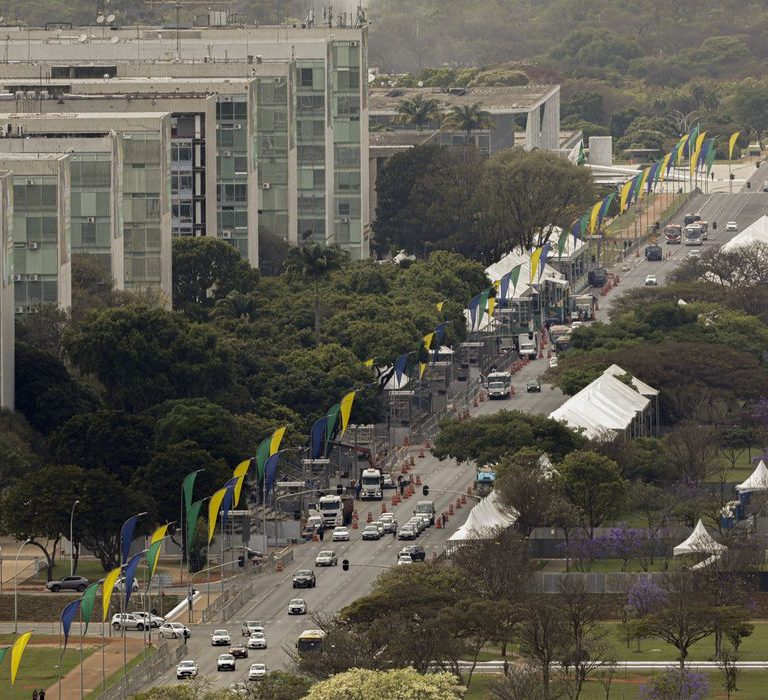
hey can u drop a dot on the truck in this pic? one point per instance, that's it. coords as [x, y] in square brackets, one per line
[336, 510]
[484, 479]
[558, 331]
[371, 485]
[528, 345]
[499, 385]
[653, 252]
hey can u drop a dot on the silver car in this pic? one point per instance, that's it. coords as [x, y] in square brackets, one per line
[326, 558]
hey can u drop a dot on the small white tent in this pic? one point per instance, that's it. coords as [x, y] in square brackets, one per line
[488, 515]
[699, 542]
[757, 480]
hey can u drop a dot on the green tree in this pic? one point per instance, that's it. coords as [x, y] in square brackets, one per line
[749, 105]
[280, 685]
[593, 483]
[385, 685]
[312, 262]
[20, 447]
[468, 118]
[418, 111]
[205, 270]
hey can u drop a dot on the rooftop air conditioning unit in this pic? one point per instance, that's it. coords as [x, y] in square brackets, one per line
[265, 185]
[226, 234]
[238, 127]
[17, 278]
[33, 245]
[33, 278]
[91, 220]
[30, 181]
[344, 220]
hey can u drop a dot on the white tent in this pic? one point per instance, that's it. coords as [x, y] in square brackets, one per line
[754, 233]
[641, 386]
[699, 542]
[757, 480]
[488, 515]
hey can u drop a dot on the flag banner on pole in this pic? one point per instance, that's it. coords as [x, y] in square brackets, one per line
[732, 143]
[188, 488]
[158, 534]
[562, 240]
[543, 259]
[662, 173]
[17, 651]
[126, 536]
[400, 364]
[192, 515]
[368, 363]
[226, 504]
[439, 306]
[106, 591]
[439, 336]
[595, 212]
[130, 576]
[534, 264]
[262, 452]
[332, 424]
[153, 556]
[214, 506]
[473, 310]
[651, 181]
[87, 603]
[241, 471]
[711, 153]
[67, 617]
[271, 470]
[275, 440]
[3, 652]
[317, 439]
[345, 410]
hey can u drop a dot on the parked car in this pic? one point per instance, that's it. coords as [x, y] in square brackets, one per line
[220, 638]
[297, 606]
[68, 583]
[533, 385]
[174, 630]
[257, 672]
[239, 651]
[387, 482]
[304, 579]
[404, 559]
[650, 281]
[257, 640]
[340, 534]
[407, 532]
[695, 254]
[326, 558]
[731, 226]
[128, 621]
[225, 662]
[251, 626]
[154, 620]
[186, 669]
[416, 551]
[371, 532]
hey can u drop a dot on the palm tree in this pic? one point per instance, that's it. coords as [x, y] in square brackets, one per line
[312, 261]
[468, 118]
[418, 111]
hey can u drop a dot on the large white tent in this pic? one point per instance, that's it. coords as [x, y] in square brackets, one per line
[699, 542]
[603, 407]
[487, 516]
[754, 233]
[756, 481]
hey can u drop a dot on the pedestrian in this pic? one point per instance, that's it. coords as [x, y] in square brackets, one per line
[506, 667]
[445, 519]
[394, 530]
[358, 489]
[402, 489]
[41, 695]
[34, 694]
[321, 532]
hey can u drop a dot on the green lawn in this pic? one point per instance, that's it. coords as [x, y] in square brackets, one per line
[117, 675]
[38, 668]
[92, 570]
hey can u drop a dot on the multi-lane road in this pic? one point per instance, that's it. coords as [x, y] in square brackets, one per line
[337, 588]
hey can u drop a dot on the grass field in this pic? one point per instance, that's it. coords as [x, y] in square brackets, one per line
[90, 569]
[117, 675]
[38, 668]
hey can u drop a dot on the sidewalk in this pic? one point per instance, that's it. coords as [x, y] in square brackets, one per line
[91, 667]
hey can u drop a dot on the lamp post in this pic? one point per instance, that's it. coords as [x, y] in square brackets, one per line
[71, 539]
[16, 586]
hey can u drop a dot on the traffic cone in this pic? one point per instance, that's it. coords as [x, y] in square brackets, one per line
[463, 500]
[354, 515]
[421, 453]
[474, 403]
[458, 504]
[315, 537]
[354, 524]
[404, 469]
[450, 509]
[427, 445]
[511, 390]
[405, 441]
[413, 461]
[370, 517]
[418, 480]
[383, 507]
[279, 565]
[438, 523]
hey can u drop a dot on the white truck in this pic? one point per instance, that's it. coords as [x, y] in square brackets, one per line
[371, 485]
[335, 510]
[528, 345]
[499, 385]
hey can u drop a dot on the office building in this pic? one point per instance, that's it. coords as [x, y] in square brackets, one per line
[291, 132]
[7, 330]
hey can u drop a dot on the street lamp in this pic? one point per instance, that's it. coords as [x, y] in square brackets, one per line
[16, 586]
[71, 539]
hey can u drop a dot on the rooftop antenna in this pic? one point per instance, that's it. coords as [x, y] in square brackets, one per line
[178, 4]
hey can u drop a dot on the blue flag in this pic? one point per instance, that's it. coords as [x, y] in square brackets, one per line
[400, 364]
[317, 439]
[126, 536]
[229, 496]
[652, 176]
[130, 574]
[67, 617]
[270, 471]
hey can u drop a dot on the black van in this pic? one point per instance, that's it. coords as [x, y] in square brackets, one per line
[691, 218]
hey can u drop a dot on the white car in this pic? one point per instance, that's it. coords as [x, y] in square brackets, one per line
[553, 361]
[326, 558]
[257, 672]
[174, 630]
[251, 626]
[120, 584]
[576, 324]
[225, 662]
[221, 638]
[257, 640]
[695, 254]
[297, 606]
[731, 226]
[340, 534]
[154, 620]
[128, 621]
[404, 559]
[650, 281]
[186, 669]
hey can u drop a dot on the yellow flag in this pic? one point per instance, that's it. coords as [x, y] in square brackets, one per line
[274, 443]
[696, 151]
[428, 340]
[213, 511]
[106, 591]
[641, 187]
[491, 305]
[680, 147]
[534, 264]
[624, 194]
[17, 652]
[240, 471]
[663, 168]
[439, 305]
[158, 534]
[422, 367]
[732, 143]
[345, 409]
[369, 363]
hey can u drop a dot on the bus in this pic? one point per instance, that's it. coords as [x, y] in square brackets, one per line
[310, 641]
[673, 233]
[693, 235]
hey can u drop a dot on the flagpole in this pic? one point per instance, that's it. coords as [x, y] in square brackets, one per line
[103, 659]
[221, 549]
[181, 536]
[208, 572]
[61, 658]
[80, 611]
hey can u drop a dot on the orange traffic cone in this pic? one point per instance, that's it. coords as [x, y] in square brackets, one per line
[450, 509]
[421, 453]
[279, 565]
[438, 523]
[418, 479]
[354, 524]
[405, 441]
[427, 445]
[463, 500]
[458, 503]
[370, 517]
[383, 507]
[413, 460]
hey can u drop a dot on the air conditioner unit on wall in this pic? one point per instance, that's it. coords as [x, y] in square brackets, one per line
[33, 278]
[19, 309]
[226, 234]
[32, 245]
[265, 185]
[91, 220]
[17, 278]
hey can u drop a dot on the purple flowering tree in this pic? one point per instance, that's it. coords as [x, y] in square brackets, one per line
[676, 685]
[626, 543]
[645, 596]
[583, 551]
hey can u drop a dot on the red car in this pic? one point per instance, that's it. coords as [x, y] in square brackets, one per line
[239, 652]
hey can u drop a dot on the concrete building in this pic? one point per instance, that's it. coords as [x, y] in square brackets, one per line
[533, 109]
[42, 258]
[139, 199]
[302, 171]
[7, 302]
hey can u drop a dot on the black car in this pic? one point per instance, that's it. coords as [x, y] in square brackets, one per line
[304, 579]
[415, 550]
[534, 385]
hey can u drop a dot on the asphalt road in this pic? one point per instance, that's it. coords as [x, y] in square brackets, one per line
[337, 588]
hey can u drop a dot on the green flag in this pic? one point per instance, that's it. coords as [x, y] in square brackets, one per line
[193, 513]
[3, 652]
[582, 157]
[187, 487]
[153, 554]
[333, 418]
[583, 225]
[711, 155]
[262, 455]
[87, 602]
[514, 275]
[562, 241]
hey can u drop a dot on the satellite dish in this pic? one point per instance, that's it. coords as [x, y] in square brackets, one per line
[110, 19]
[420, 83]
[114, 40]
[82, 38]
[100, 19]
